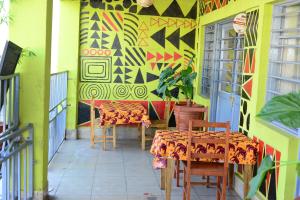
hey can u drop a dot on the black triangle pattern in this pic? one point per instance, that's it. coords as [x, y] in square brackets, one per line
[174, 38]
[95, 45]
[118, 79]
[95, 27]
[149, 11]
[116, 44]
[118, 52]
[159, 37]
[95, 17]
[118, 62]
[189, 38]
[152, 112]
[193, 12]
[151, 77]
[118, 71]
[95, 35]
[173, 10]
[139, 78]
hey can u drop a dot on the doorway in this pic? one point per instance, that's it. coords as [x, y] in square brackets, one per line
[227, 74]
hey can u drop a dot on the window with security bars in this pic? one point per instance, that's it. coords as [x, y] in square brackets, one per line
[284, 61]
[208, 60]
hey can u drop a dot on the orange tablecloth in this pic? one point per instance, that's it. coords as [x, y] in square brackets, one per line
[117, 113]
[173, 144]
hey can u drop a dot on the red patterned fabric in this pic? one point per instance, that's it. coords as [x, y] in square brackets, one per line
[173, 144]
[123, 113]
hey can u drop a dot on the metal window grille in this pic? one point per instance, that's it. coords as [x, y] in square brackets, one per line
[208, 60]
[284, 59]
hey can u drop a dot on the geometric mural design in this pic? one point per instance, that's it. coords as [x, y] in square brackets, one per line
[207, 6]
[96, 69]
[251, 32]
[249, 63]
[269, 186]
[124, 47]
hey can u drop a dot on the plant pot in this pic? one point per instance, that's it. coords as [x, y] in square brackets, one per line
[184, 113]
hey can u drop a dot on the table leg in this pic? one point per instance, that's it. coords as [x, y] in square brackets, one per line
[114, 136]
[169, 177]
[104, 137]
[143, 138]
[247, 177]
[92, 136]
[163, 179]
[230, 176]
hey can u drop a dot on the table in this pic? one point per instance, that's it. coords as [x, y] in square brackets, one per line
[122, 113]
[171, 145]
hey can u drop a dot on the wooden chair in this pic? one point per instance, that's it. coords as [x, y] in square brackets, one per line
[102, 138]
[204, 112]
[220, 170]
[159, 124]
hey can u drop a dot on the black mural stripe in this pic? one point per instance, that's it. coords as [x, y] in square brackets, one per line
[85, 13]
[82, 23]
[81, 43]
[132, 56]
[132, 15]
[127, 59]
[107, 26]
[189, 56]
[131, 34]
[136, 24]
[117, 21]
[84, 38]
[83, 34]
[143, 52]
[84, 18]
[84, 29]
[131, 44]
[188, 51]
[128, 36]
[138, 54]
[133, 29]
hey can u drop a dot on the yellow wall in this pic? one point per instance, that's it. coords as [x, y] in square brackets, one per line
[268, 134]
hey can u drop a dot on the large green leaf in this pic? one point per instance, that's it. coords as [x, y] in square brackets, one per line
[284, 109]
[266, 165]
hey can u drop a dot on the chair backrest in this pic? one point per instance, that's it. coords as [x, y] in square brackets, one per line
[221, 153]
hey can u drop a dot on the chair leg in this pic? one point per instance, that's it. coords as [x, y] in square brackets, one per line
[114, 136]
[224, 187]
[207, 182]
[143, 138]
[218, 188]
[188, 187]
[184, 184]
[104, 138]
[177, 172]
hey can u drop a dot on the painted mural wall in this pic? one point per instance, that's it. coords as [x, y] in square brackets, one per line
[124, 47]
[270, 187]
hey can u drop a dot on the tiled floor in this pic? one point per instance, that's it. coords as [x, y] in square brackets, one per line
[79, 172]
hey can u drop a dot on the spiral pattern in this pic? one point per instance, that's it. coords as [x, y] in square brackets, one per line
[98, 91]
[121, 92]
[141, 92]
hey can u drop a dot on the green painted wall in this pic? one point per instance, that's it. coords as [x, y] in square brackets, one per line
[269, 136]
[68, 54]
[31, 28]
[124, 47]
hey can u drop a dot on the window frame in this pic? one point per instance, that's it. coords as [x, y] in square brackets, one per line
[276, 29]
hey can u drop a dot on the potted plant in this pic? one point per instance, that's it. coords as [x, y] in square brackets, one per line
[183, 79]
[286, 110]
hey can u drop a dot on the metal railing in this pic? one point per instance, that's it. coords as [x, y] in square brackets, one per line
[57, 111]
[16, 161]
[9, 103]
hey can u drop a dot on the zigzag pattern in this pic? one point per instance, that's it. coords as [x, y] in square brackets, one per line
[131, 25]
[251, 31]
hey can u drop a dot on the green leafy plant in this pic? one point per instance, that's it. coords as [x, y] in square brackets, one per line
[284, 109]
[170, 78]
[266, 166]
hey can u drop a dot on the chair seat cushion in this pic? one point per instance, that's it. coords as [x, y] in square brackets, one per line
[206, 168]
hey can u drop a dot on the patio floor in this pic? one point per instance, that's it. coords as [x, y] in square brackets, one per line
[79, 172]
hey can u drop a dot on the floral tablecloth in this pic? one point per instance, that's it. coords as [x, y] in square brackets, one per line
[121, 113]
[173, 144]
